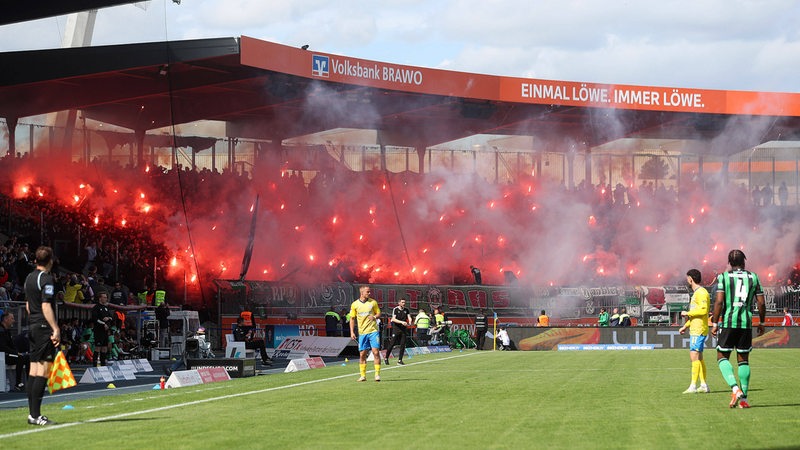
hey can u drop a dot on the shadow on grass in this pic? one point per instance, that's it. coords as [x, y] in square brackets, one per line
[401, 380]
[132, 419]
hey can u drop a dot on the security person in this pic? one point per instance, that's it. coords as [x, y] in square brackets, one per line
[332, 320]
[423, 323]
[614, 318]
[624, 318]
[160, 297]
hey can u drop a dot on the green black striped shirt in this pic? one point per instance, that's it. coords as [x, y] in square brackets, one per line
[740, 288]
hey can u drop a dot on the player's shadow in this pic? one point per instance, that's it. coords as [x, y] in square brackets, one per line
[777, 405]
[402, 380]
[131, 419]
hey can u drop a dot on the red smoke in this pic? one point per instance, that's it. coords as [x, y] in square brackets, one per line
[376, 226]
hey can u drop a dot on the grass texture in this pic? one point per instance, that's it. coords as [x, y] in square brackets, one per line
[469, 399]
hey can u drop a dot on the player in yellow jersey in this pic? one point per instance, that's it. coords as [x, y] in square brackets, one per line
[697, 323]
[366, 313]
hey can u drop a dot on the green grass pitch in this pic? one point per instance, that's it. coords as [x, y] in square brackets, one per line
[601, 399]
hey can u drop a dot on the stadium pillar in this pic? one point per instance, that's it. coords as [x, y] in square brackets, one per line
[571, 170]
[11, 123]
[421, 150]
[138, 137]
[725, 163]
[588, 168]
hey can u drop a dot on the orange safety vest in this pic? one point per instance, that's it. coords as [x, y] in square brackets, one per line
[544, 321]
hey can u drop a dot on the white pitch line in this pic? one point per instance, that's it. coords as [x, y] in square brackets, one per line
[207, 400]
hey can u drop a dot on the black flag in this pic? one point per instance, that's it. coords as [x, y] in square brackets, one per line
[248, 252]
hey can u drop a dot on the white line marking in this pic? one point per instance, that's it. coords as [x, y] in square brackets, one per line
[213, 399]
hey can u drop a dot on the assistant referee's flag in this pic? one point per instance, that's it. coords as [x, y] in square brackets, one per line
[60, 374]
[248, 252]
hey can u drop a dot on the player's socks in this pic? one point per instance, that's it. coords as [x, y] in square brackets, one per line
[695, 371]
[378, 367]
[726, 369]
[702, 371]
[362, 369]
[37, 392]
[744, 376]
[29, 390]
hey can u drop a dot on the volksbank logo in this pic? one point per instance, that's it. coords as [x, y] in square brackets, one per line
[320, 66]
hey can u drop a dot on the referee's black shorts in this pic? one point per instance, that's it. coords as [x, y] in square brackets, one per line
[42, 348]
[100, 337]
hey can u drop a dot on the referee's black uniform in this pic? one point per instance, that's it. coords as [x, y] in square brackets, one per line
[399, 331]
[40, 290]
[481, 326]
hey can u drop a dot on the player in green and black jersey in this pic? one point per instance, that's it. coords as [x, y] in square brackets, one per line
[733, 315]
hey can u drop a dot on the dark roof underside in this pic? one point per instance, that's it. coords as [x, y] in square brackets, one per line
[147, 86]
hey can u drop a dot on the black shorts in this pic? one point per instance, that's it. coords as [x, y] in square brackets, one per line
[42, 348]
[739, 338]
[100, 337]
[400, 331]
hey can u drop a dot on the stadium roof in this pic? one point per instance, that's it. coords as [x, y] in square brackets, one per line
[272, 91]
[14, 12]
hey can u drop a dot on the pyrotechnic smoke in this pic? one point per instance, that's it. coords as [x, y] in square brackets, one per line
[428, 228]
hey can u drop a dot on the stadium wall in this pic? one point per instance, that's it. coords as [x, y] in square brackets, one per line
[594, 338]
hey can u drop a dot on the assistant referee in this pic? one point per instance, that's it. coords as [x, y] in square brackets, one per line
[45, 334]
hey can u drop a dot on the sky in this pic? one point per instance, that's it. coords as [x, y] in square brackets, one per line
[707, 44]
[537, 231]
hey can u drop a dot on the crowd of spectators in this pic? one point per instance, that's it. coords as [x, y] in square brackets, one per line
[77, 340]
[106, 250]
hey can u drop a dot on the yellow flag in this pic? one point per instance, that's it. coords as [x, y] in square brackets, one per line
[60, 374]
